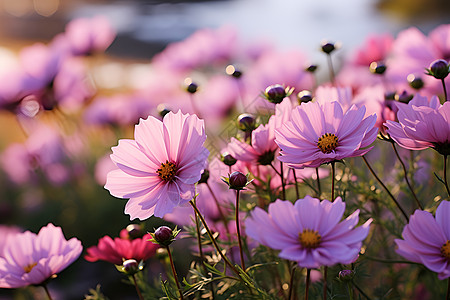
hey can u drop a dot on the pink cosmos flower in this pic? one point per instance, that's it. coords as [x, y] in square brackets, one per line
[318, 134]
[117, 250]
[309, 231]
[263, 147]
[158, 170]
[426, 240]
[422, 124]
[31, 258]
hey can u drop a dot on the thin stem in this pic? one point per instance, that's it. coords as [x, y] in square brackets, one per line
[238, 230]
[325, 289]
[291, 282]
[385, 188]
[213, 240]
[283, 184]
[330, 66]
[47, 291]
[445, 90]
[448, 290]
[308, 276]
[297, 193]
[360, 290]
[194, 105]
[199, 241]
[445, 175]
[174, 273]
[333, 176]
[318, 183]
[406, 176]
[137, 287]
[350, 291]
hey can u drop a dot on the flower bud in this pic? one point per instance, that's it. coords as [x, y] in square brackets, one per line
[204, 177]
[404, 97]
[389, 96]
[228, 159]
[439, 69]
[276, 93]
[328, 47]
[162, 110]
[246, 122]
[134, 231]
[377, 68]
[304, 96]
[192, 88]
[163, 234]
[346, 275]
[232, 71]
[311, 68]
[130, 266]
[415, 82]
[236, 180]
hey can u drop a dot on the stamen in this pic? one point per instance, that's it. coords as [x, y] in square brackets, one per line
[327, 142]
[29, 267]
[309, 238]
[167, 171]
[445, 250]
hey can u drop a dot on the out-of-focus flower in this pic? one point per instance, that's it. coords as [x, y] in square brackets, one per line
[326, 94]
[86, 36]
[31, 258]
[118, 249]
[426, 240]
[309, 231]
[319, 134]
[422, 124]
[158, 170]
[5, 232]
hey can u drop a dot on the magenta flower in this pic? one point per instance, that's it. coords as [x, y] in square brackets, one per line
[158, 170]
[117, 250]
[309, 231]
[31, 258]
[422, 124]
[426, 240]
[319, 134]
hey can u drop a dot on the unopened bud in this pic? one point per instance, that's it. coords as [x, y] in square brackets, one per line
[246, 122]
[228, 159]
[304, 96]
[439, 69]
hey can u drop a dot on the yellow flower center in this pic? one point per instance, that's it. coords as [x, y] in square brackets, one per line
[309, 238]
[445, 250]
[167, 171]
[29, 267]
[327, 142]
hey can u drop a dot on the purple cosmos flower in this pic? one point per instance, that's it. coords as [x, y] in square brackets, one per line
[426, 240]
[318, 134]
[422, 124]
[31, 258]
[309, 231]
[158, 170]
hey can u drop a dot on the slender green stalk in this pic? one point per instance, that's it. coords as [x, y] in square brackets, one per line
[385, 188]
[283, 184]
[291, 283]
[325, 288]
[350, 291]
[360, 290]
[330, 66]
[238, 230]
[138, 291]
[297, 193]
[308, 276]
[445, 89]
[445, 175]
[213, 240]
[333, 176]
[318, 183]
[448, 290]
[406, 176]
[174, 272]
[47, 291]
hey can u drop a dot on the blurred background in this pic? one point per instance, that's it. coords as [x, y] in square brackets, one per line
[144, 28]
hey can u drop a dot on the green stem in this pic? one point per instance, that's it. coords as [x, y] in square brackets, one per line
[291, 283]
[360, 290]
[283, 185]
[349, 291]
[318, 183]
[385, 188]
[333, 176]
[308, 276]
[406, 176]
[174, 272]
[238, 230]
[213, 240]
[137, 287]
[47, 291]
[445, 175]
[330, 66]
[445, 90]
[297, 193]
[448, 290]
[325, 289]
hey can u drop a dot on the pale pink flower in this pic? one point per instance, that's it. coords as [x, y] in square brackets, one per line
[426, 240]
[31, 258]
[318, 134]
[159, 168]
[309, 232]
[422, 124]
